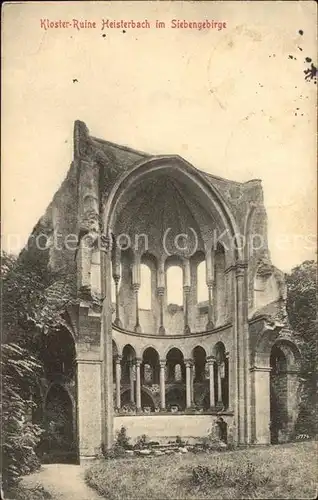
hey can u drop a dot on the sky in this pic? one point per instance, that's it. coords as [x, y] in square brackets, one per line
[233, 102]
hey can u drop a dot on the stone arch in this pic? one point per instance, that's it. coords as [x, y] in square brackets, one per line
[176, 166]
[151, 359]
[173, 346]
[199, 359]
[127, 362]
[174, 360]
[58, 354]
[284, 384]
[291, 352]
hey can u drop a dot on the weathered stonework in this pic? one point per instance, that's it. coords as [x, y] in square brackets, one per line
[172, 368]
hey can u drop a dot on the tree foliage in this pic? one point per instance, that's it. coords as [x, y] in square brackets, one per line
[19, 436]
[32, 300]
[302, 313]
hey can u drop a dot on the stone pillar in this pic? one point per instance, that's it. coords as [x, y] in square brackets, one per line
[106, 347]
[136, 286]
[137, 328]
[209, 260]
[186, 293]
[188, 364]
[162, 385]
[261, 404]
[186, 290]
[161, 293]
[88, 397]
[117, 318]
[219, 380]
[241, 355]
[138, 385]
[210, 325]
[131, 380]
[228, 381]
[192, 372]
[118, 379]
[116, 277]
[211, 381]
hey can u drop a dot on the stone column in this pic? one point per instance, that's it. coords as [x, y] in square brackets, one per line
[138, 385]
[106, 346]
[186, 293]
[161, 293]
[116, 277]
[188, 364]
[210, 325]
[227, 356]
[131, 380]
[192, 383]
[117, 318]
[261, 404]
[219, 400]
[209, 261]
[162, 384]
[186, 290]
[88, 397]
[242, 357]
[118, 379]
[136, 286]
[137, 328]
[211, 381]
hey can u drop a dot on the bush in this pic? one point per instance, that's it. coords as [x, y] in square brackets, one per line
[120, 446]
[20, 438]
[36, 493]
[142, 442]
[179, 441]
[122, 440]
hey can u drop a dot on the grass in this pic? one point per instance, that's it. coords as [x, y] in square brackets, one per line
[280, 472]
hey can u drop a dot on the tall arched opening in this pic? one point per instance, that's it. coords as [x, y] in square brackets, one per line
[59, 443]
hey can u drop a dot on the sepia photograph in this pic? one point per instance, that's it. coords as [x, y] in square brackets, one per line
[159, 250]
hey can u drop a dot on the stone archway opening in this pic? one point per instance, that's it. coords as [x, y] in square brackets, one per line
[58, 413]
[58, 355]
[59, 443]
[175, 366]
[128, 377]
[284, 385]
[150, 367]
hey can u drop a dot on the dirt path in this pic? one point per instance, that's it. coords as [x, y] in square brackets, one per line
[63, 482]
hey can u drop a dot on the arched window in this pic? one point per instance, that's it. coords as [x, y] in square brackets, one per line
[175, 285]
[202, 289]
[144, 295]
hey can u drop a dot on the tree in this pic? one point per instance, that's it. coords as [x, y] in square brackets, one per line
[19, 436]
[302, 313]
[33, 298]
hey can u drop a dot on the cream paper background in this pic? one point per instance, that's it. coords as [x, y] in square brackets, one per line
[224, 100]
